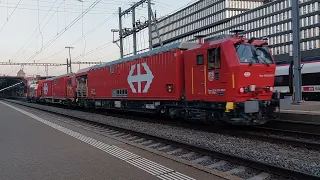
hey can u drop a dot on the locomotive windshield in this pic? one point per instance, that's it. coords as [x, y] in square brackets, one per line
[253, 55]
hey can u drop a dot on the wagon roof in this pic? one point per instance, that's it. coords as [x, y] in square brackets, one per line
[56, 77]
[179, 45]
[84, 70]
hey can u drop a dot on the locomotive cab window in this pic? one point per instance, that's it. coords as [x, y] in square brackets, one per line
[214, 60]
[254, 55]
[200, 60]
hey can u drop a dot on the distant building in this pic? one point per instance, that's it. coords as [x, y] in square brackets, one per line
[21, 73]
[259, 18]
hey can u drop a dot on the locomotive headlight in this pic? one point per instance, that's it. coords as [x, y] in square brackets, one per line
[241, 90]
[169, 87]
[269, 89]
[244, 90]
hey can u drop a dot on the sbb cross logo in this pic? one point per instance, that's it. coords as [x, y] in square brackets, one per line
[139, 78]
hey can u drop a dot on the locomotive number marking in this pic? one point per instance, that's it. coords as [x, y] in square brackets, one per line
[140, 78]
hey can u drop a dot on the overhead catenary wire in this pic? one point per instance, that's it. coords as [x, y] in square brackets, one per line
[57, 23]
[8, 18]
[18, 55]
[65, 16]
[86, 1]
[75, 7]
[89, 32]
[85, 35]
[48, 10]
[33, 33]
[90, 52]
[64, 30]
[39, 23]
[84, 40]
[57, 36]
[93, 50]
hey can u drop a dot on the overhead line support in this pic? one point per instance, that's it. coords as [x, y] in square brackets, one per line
[296, 52]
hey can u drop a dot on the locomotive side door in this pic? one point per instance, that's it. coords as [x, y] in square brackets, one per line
[198, 82]
[69, 87]
[215, 77]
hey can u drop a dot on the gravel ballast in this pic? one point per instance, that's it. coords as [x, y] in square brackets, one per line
[298, 159]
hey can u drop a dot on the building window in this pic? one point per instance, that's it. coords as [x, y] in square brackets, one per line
[314, 44]
[310, 44]
[316, 31]
[289, 25]
[285, 15]
[305, 44]
[306, 33]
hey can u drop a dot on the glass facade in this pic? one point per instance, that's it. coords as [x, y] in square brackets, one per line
[217, 17]
[201, 14]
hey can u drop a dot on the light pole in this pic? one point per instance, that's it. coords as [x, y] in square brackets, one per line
[296, 52]
[116, 41]
[69, 64]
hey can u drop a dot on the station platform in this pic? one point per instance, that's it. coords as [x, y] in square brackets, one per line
[36, 145]
[307, 111]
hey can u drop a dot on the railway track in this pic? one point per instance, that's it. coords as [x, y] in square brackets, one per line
[295, 126]
[221, 164]
[296, 134]
[274, 135]
[280, 136]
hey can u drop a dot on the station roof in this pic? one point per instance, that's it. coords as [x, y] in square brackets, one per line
[6, 81]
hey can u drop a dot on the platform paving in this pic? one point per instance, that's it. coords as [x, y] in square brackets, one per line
[307, 111]
[37, 146]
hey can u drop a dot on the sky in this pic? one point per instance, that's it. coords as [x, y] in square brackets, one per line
[39, 31]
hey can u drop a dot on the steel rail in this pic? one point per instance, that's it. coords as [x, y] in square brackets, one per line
[231, 158]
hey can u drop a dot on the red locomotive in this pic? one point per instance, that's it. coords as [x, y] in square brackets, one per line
[34, 91]
[223, 80]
